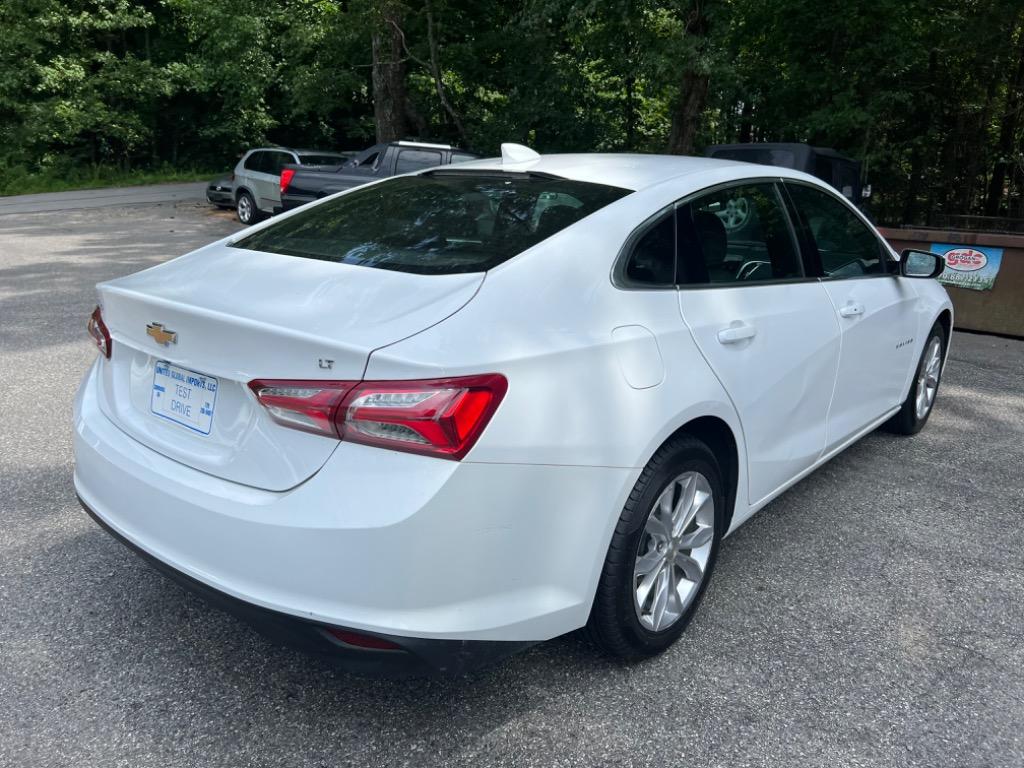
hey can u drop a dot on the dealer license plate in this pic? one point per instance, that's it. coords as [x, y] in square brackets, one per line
[183, 396]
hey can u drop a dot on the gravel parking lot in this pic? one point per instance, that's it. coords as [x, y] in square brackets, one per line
[871, 616]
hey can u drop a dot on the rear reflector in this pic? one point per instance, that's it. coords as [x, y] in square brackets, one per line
[100, 334]
[362, 641]
[436, 417]
[286, 178]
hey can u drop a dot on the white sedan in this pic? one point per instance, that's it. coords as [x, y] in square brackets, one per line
[427, 422]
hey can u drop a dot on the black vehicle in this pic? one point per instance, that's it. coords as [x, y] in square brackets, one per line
[301, 184]
[221, 192]
[842, 172]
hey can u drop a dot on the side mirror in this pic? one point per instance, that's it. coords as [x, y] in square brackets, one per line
[921, 264]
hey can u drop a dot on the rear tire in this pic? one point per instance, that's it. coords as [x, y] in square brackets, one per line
[920, 403]
[662, 553]
[246, 209]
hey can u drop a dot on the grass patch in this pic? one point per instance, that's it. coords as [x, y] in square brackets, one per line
[20, 181]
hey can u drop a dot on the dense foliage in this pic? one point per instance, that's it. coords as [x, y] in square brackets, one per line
[928, 93]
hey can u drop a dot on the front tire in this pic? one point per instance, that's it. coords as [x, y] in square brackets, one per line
[662, 552]
[918, 406]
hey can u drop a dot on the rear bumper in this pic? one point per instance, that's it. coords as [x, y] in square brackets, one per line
[289, 203]
[384, 543]
[415, 657]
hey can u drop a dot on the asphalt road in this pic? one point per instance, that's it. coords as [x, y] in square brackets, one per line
[113, 197]
[872, 616]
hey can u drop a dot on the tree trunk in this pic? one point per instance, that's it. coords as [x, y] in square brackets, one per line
[389, 97]
[746, 125]
[1007, 133]
[693, 88]
[693, 92]
[435, 71]
[629, 113]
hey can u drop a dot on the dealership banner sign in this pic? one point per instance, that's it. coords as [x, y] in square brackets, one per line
[974, 267]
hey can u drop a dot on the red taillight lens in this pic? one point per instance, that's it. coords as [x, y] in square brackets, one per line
[442, 417]
[286, 178]
[362, 641]
[437, 417]
[100, 334]
[307, 405]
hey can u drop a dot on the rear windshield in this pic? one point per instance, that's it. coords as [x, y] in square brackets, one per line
[436, 224]
[321, 159]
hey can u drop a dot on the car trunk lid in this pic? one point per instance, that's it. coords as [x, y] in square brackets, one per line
[237, 315]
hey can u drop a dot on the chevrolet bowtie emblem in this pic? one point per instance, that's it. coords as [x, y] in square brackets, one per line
[161, 335]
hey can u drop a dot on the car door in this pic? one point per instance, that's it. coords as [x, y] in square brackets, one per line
[767, 330]
[268, 185]
[875, 308]
[252, 171]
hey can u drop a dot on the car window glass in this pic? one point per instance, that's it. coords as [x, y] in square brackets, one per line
[254, 161]
[846, 246]
[461, 157]
[276, 161]
[435, 224]
[321, 159]
[414, 159]
[369, 162]
[652, 257]
[738, 234]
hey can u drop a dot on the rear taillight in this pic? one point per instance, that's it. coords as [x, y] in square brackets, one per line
[307, 405]
[286, 178]
[100, 334]
[437, 417]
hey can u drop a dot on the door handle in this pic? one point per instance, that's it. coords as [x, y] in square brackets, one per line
[736, 332]
[851, 309]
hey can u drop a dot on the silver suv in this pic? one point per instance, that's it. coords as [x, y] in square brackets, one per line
[258, 177]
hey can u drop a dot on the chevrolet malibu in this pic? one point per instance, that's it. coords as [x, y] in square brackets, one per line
[430, 421]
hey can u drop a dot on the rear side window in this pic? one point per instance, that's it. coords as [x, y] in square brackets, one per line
[652, 256]
[737, 235]
[440, 223]
[845, 245]
[254, 162]
[276, 161]
[414, 159]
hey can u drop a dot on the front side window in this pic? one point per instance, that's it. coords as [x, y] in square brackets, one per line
[441, 223]
[736, 235]
[414, 159]
[845, 245]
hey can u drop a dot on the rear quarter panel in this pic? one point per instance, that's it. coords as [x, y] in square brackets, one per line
[547, 320]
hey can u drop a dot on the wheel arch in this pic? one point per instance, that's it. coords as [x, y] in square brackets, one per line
[716, 433]
[240, 190]
[945, 321]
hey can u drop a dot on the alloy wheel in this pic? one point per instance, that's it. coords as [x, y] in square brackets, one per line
[928, 378]
[244, 209]
[672, 556]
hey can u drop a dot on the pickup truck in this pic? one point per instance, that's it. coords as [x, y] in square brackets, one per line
[303, 184]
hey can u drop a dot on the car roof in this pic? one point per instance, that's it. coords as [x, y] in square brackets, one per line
[296, 151]
[628, 171]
